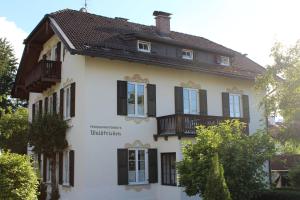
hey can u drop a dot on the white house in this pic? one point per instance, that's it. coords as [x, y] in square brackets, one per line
[132, 94]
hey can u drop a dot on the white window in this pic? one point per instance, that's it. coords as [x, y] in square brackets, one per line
[48, 169]
[223, 60]
[136, 99]
[37, 107]
[144, 46]
[67, 102]
[137, 166]
[66, 167]
[187, 54]
[50, 104]
[53, 53]
[190, 101]
[235, 105]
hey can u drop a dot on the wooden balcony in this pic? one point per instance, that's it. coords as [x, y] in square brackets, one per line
[43, 76]
[184, 125]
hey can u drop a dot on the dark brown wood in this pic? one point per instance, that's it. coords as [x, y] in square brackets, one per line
[71, 166]
[185, 124]
[61, 102]
[60, 167]
[225, 104]
[44, 168]
[152, 168]
[203, 102]
[178, 100]
[151, 100]
[122, 166]
[58, 51]
[73, 95]
[245, 103]
[122, 97]
[40, 107]
[33, 111]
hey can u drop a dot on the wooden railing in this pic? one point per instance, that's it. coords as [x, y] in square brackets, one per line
[46, 72]
[185, 124]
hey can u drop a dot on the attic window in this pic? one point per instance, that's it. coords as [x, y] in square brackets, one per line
[187, 54]
[223, 60]
[144, 46]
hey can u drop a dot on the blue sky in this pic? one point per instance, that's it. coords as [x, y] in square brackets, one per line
[248, 26]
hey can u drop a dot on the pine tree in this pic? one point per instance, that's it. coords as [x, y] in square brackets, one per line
[216, 187]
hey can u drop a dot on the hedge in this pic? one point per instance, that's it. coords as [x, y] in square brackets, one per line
[278, 194]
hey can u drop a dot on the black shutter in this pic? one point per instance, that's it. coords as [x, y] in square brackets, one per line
[58, 50]
[44, 168]
[122, 166]
[73, 85]
[178, 100]
[54, 102]
[122, 98]
[245, 102]
[60, 167]
[39, 161]
[203, 102]
[46, 105]
[151, 100]
[61, 103]
[40, 107]
[152, 161]
[71, 167]
[225, 104]
[33, 112]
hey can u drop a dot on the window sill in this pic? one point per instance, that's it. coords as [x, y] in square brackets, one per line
[169, 185]
[138, 184]
[137, 116]
[67, 185]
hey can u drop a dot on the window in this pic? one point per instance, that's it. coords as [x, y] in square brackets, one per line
[66, 167]
[168, 169]
[187, 54]
[37, 109]
[50, 104]
[235, 105]
[67, 102]
[137, 166]
[144, 46]
[53, 53]
[136, 99]
[48, 168]
[190, 101]
[223, 60]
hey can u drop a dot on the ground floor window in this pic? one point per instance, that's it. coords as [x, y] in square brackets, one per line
[168, 168]
[137, 166]
[48, 168]
[66, 167]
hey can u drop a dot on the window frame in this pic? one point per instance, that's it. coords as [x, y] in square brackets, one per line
[67, 103]
[221, 60]
[144, 43]
[190, 101]
[191, 57]
[66, 168]
[170, 167]
[232, 106]
[136, 166]
[136, 99]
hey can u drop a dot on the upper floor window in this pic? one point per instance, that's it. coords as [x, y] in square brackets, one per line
[144, 46]
[235, 105]
[187, 54]
[136, 99]
[190, 101]
[67, 102]
[137, 166]
[223, 60]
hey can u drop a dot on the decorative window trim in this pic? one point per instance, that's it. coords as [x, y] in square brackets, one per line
[190, 84]
[144, 43]
[185, 55]
[232, 110]
[136, 78]
[136, 115]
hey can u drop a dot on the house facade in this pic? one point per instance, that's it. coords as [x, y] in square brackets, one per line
[132, 95]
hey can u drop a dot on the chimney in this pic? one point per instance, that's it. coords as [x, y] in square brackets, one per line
[162, 22]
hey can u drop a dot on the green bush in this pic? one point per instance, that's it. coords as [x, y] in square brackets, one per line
[294, 177]
[216, 187]
[18, 180]
[283, 194]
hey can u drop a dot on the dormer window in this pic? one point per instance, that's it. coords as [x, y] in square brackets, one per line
[144, 46]
[223, 60]
[187, 54]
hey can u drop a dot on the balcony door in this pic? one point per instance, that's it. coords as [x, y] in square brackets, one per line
[190, 101]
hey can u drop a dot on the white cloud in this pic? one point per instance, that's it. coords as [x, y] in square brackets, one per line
[14, 34]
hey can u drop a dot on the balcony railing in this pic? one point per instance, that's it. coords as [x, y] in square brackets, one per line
[185, 124]
[43, 76]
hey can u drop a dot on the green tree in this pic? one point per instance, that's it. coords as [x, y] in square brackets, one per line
[47, 135]
[242, 157]
[18, 179]
[8, 68]
[281, 82]
[294, 176]
[216, 187]
[14, 131]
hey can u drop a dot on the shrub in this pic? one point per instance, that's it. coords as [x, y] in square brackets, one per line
[283, 194]
[294, 176]
[18, 180]
[216, 187]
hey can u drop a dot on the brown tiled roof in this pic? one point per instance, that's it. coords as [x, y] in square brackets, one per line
[91, 34]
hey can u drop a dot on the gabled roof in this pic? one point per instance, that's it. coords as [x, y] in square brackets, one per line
[93, 35]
